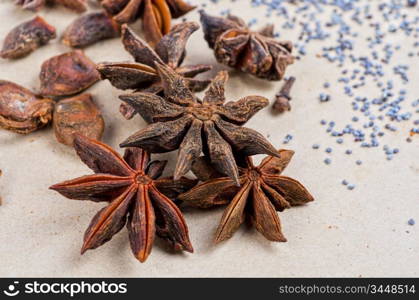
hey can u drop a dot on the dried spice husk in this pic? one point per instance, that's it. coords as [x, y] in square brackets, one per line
[142, 75]
[183, 121]
[67, 74]
[77, 115]
[156, 15]
[263, 191]
[26, 38]
[89, 29]
[256, 53]
[134, 194]
[21, 110]
[36, 5]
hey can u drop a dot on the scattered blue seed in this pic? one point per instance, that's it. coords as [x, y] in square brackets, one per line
[344, 182]
[315, 146]
[351, 186]
[328, 150]
[358, 162]
[327, 161]
[411, 222]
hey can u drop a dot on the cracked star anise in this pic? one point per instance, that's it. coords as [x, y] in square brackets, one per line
[156, 15]
[263, 191]
[142, 75]
[135, 197]
[182, 121]
[35, 5]
[235, 45]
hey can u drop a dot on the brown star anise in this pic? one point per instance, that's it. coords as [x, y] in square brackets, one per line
[155, 14]
[35, 5]
[184, 122]
[235, 45]
[263, 190]
[142, 74]
[135, 196]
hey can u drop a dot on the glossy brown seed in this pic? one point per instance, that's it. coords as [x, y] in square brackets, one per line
[235, 45]
[182, 121]
[77, 115]
[21, 111]
[26, 38]
[134, 194]
[89, 29]
[263, 191]
[67, 74]
[156, 15]
[35, 5]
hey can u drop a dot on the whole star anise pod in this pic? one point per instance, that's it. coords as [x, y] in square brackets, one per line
[182, 121]
[263, 191]
[235, 45]
[35, 5]
[135, 197]
[156, 15]
[142, 75]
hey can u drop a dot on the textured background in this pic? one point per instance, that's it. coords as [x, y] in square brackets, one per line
[363, 232]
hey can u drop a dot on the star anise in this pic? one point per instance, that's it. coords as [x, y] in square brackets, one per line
[182, 121]
[135, 196]
[155, 14]
[142, 74]
[263, 191]
[35, 5]
[235, 45]
[21, 110]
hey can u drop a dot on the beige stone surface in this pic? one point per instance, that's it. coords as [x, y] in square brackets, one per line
[363, 232]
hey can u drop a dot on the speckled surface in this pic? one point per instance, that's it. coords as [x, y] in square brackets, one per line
[363, 232]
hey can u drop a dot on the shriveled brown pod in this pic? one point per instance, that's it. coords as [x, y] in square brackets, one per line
[67, 74]
[21, 110]
[32, 5]
[26, 38]
[254, 52]
[35, 5]
[77, 115]
[89, 29]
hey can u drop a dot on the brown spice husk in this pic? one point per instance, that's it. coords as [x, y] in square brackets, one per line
[142, 74]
